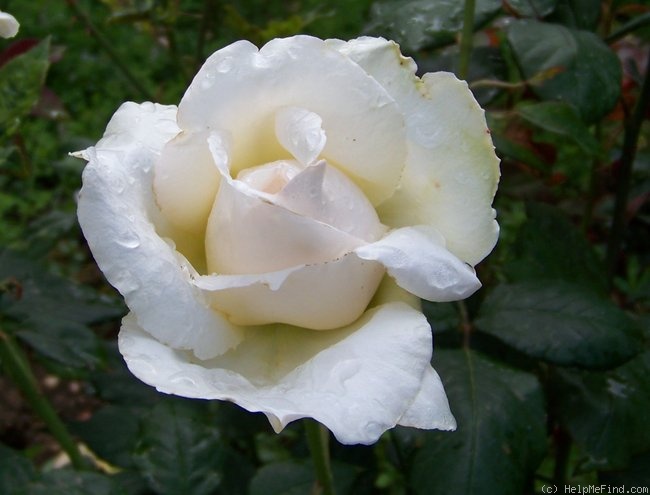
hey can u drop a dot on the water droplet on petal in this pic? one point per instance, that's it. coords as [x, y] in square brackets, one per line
[224, 65]
[129, 240]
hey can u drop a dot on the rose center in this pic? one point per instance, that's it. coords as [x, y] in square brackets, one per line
[271, 177]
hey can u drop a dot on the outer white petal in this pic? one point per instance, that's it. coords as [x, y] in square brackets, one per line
[325, 194]
[186, 180]
[419, 263]
[300, 132]
[319, 297]
[8, 25]
[247, 234]
[452, 171]
[117, 213]
[430, 409]
[357, 113]
[357, 381]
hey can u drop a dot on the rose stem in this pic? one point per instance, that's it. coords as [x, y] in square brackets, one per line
[19, 370]
[466, 38]
[632, 129]
[318, 440]
[106, 45]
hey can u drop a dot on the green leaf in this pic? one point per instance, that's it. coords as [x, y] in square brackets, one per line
[607, 413]
[550, 247]
[52, 313]
[501, 430]
[635, 474]
[16, 471]
[506, 147]
[559, 323]
[297, 478]
[578, 14]
[531, 8]
[19, 477]
[588, 72]
[21, 80]
[114, 383]
[180, 450]
[68, 482]
[111, 433]
[416, 24]
[443, 317]
[560, 118]
[283, 478]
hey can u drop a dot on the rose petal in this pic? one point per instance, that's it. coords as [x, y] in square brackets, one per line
[320, 296]
[300, 133]
[8, 25]
[356, 111]
[247, 234]
[430, 409]
[419, 263]
[186, 181]
[452, 171]
[325, 194]
[344, 379]
[270, 178]
[117, 212]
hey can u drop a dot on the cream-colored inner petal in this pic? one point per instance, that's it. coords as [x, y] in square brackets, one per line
[300, 132]
[186, 181]
[271, 177]
[285, 213]
[324, 193]
[248, 234]
[366, 134]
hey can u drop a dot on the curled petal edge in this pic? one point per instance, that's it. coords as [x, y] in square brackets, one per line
[418, 261]
[346, 379]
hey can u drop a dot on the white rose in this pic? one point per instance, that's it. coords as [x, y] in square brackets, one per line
[250, 228]
[8, 25]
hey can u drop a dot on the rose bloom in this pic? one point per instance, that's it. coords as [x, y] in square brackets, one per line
[272, 235]
[8, 25]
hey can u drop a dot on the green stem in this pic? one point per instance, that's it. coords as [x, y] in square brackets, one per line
[635, 23]
[593, 184]
[19, 370]
[108, 48]
[465, 323]
[562, 457]
[318, 440]
[632, 129]
[466, 38]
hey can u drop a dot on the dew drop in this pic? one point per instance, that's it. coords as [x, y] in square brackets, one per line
[128, 240]
[224, 65]
[208, 80]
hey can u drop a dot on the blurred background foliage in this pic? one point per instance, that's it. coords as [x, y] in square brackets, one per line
[547, 368]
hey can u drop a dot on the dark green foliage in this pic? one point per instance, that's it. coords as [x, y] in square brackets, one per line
[418, 24]
[21, 79]
[567, 65]
[560, 118]
[178, 452]
[51, 313]
[500, 438]
[607, 413]
[559, 323]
